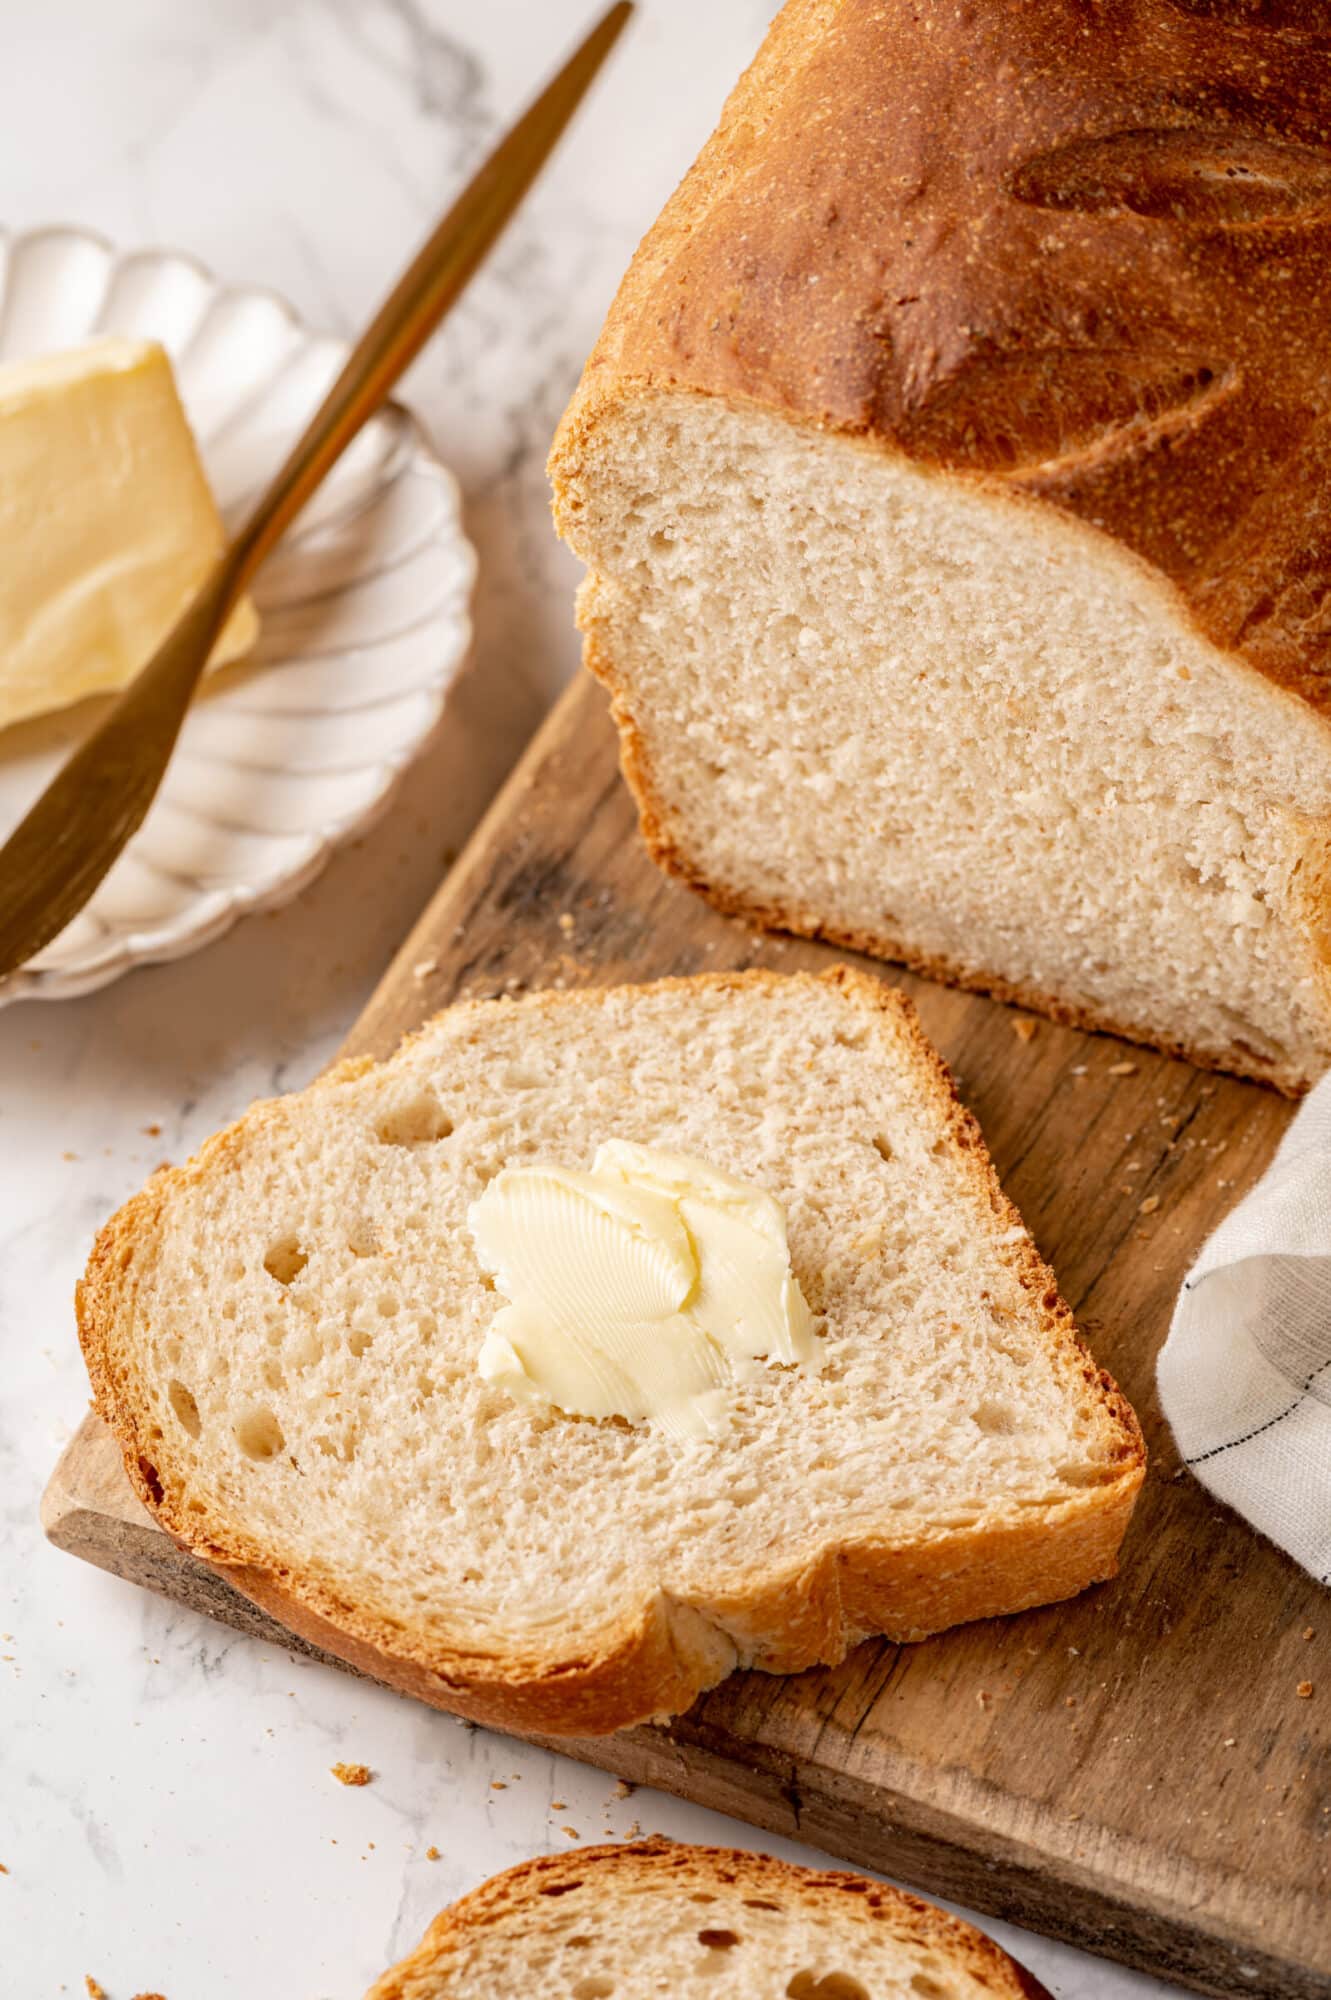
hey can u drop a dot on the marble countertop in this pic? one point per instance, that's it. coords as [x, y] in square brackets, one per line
[168, 1822]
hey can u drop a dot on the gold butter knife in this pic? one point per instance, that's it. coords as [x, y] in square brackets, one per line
[56, 856]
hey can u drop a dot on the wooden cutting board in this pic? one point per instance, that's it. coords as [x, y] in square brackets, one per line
[1135, 1772]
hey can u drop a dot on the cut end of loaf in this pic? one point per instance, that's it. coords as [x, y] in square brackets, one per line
[284, 1336]
[648, 1917]
[901, 710]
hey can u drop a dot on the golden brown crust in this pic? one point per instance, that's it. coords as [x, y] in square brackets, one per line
[811, 1607]
[653, 1865]
[1091, 269]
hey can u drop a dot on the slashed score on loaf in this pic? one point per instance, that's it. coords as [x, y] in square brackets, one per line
[953, 479]
[285, 1336]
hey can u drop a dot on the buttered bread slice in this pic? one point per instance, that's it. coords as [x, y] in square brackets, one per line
[817, 1381]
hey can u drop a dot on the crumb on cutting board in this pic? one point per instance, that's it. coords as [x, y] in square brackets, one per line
[352, 1774]
[1024, 1028]
[1304, 1690]
[1122, 1069]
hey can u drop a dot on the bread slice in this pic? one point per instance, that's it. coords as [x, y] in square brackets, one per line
[652, 1918]
[284, 1336]
[952, 484]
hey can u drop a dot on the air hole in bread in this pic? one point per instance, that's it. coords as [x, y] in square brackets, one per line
[595, 1987]
[882, 1148]
[419, 1122]
[259, 1434]
[560, 1888]
[285, 1260]
[756, 1903]
[359, 1342]
[186, 1409]
[928, 1988]
[700, 1896]
[273, 1374]
[832, 1986]
[389, 1305]
[576, 1943]
[363, 1240]
[995, 1418]
[719, 1940]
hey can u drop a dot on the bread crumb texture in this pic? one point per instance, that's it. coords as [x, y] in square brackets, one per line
[284, 1334]
[631, 1922]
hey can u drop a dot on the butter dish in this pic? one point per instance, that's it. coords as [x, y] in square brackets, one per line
[363, 612]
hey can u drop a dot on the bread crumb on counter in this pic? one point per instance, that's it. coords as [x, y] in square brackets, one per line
[352, 1774]
[1024, 1028]
[1304, 1690]
[624, 1790]
[1307, 1631]
[1122, 1069]
[571, 1831]
[1149, 1206]
[96, 1991]
[433, 1854]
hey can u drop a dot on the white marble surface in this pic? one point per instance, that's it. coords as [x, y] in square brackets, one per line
[167, 1818]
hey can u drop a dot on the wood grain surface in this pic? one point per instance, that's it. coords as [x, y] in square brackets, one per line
[1135, 1772]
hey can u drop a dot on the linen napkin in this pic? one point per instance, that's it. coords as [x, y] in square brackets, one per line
[1245, 1375]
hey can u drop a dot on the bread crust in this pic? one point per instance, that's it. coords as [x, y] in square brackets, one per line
[1088, 270]
[810, 1607]
[643, 1865]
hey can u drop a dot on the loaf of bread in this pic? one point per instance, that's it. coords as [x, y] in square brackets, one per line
[954, 476]
[654, 1918]
[285, 1336]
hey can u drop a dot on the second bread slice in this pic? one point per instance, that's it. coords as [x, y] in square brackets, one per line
[284, 1337]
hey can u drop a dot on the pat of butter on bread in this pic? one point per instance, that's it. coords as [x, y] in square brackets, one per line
[643, 1289]
[107, 523]
[284, 1337]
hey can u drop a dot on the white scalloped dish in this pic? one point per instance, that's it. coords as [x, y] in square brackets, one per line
[364, 612]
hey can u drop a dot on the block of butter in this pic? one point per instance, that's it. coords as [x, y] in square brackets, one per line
[647, 1288]
[106, 522]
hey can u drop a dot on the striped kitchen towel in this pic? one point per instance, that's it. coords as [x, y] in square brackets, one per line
[1245, 1375]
